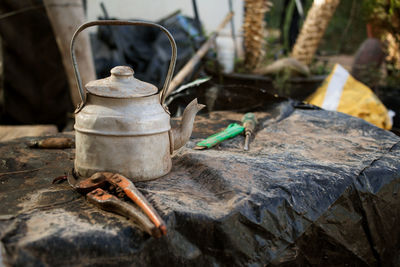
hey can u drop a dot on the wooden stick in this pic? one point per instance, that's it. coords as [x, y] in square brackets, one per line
[188, 68]
[65, 16]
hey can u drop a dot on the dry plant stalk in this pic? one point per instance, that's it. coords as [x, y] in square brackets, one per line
[254, 31]
[393, 49]
[313, 29]
[384, 23]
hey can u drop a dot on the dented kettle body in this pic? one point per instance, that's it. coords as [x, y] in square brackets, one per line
[123, 136]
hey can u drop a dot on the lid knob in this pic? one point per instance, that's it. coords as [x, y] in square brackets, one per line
[122, 72]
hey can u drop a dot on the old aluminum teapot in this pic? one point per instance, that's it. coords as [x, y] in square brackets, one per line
[122, 124]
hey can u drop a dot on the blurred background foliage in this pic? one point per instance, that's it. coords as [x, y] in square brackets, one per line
[345, 33]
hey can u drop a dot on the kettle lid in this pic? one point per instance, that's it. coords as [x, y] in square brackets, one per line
[121, 84]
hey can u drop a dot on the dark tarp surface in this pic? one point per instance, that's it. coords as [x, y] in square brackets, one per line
[316, 188]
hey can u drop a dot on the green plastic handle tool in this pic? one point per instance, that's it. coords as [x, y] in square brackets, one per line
[232, 130]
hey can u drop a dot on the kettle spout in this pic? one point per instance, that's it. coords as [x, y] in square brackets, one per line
[181, 134]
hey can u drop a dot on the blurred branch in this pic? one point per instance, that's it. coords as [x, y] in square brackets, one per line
[26, 9]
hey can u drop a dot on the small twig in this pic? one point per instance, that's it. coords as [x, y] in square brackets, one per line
[23, 10]
[15, 172]
[59, 179]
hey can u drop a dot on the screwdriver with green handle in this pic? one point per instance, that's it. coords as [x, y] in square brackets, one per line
[249, 123]
[231, 131]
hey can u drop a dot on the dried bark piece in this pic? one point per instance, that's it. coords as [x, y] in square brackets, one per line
[313, 29]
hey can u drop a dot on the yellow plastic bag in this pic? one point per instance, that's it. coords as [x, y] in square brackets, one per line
[341, 92]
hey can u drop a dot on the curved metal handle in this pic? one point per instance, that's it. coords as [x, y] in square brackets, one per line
[120, 23]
